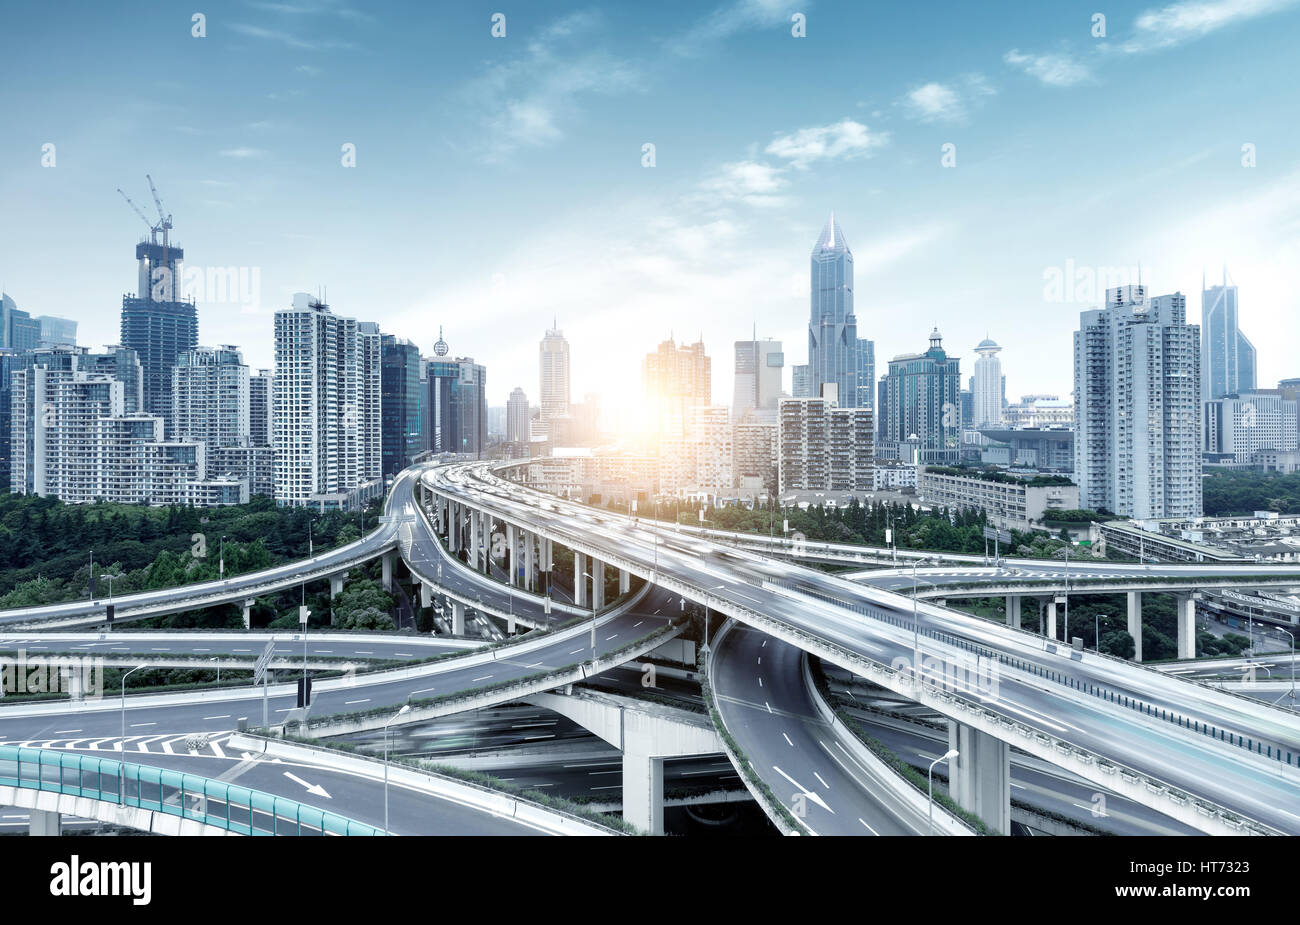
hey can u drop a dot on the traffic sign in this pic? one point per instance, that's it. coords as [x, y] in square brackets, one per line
[259, 669]
[1002, 536]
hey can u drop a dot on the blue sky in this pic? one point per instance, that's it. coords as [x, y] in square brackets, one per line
[499, 181]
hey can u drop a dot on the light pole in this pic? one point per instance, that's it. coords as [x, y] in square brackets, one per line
[121, 779]
[221, 561]
[218, 661]
[946, 756]
[1291, 639]
[586, 575]
[406, 708]
[916, 623]
[1067, 594]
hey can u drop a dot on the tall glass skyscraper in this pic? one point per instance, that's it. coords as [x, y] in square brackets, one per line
[400, 405]
[1227, 357]
[833, 351]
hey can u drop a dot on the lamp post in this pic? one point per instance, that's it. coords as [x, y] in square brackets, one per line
[1291, 639]
[121, 779]
[946, 756]
[587, 575]
[406, 708]
[218, 661]
[916, 623]
[221, 561]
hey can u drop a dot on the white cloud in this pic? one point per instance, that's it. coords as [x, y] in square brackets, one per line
[1182, 22]
[938, 102]
[846, 139]
[749, 182]
[242, 153]
[726, 21]
[1054, 70]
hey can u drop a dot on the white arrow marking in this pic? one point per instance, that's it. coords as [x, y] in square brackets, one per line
[316, 789]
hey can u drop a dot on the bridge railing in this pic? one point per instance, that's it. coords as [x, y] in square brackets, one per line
[188, 796]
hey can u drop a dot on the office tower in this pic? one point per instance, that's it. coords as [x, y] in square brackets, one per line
[518, 421]
[676, 379]
[966, 398]
[1137, 383]
[832, 326]
[210, 397]
[1227, 357]
[19, 331]
[921, 405]
[824, 448]
[801, 381]
[553, 357]
[57, 331]
[400, 407]
[988, 385]
[259, 408]
[758, 377]
[1240, 425]
[325, 421]
[156, 323]
[457, 400]
[866, 373]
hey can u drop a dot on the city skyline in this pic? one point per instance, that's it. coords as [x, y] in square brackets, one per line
[711, 236]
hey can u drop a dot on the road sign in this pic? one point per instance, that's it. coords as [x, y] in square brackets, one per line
[259, 669]
[1002, 536]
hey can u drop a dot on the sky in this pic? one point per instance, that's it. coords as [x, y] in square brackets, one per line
[501, 182]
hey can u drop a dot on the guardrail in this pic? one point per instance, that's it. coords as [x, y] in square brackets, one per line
[200, 799]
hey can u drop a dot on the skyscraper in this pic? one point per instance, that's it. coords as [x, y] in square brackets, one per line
[156, 324]
[553, 364]
[758, 377]
[57, 330]
[19, 331]
[866, 373]
[518, 422]
[1227, 357]
[326, 426]
[1137, 382]
[801, 381]
[400, 408]
[988, 385]
[920, 402]
[259, 407]
[832, 326]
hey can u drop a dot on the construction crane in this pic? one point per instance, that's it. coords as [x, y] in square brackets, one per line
[153, 229]
[164, 221]
[164, 225]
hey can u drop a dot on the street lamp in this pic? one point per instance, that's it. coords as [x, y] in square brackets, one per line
[218, 661]
[121, 778]
[593, 615]
[221, 561]
[946, 756]
[406, 708]
[1291, 639]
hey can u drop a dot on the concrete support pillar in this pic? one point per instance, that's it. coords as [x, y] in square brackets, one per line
[426, 594]
[1013, 610]
[643, 791]
[1186, 616]
[457, 618]
[624, 581]
[453, 526]
[336, 584]
[248, 613]
[44, 822]
[579, 579]
[510, 625]
[597, 584]
[530, 561]
[1135, 623]
[979, 778]
[512, 544]
[475, 541]
[388, 571]
[1050, 632]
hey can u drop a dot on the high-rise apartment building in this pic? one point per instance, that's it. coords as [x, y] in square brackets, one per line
[1137, 384]
[1227, 356]
[988, 386]
[676, 379]
[921, 405]
[259, 407]
[210, 397]
[326, 426]
[518, 423]
[866, 373]
[822, 447]
[758, 370]
[553, 365]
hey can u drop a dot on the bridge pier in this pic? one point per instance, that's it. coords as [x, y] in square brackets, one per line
[1050, 632]
[453, 526]
[44, 822]
[579, 579]
[1135, 623]
[475, 540]
[387, 571]
[248, 613]
[457, 617]
[1013, 610]
[512, 557]
[624, 581]
[426, 595]
[1185, 611]
[979, 778]
[643, 789]
[530, 561]
[597, 584]
[336, 584]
